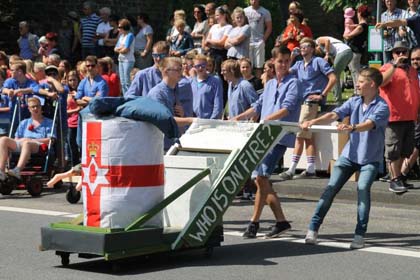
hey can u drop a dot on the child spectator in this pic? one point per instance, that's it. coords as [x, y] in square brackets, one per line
[349, 25]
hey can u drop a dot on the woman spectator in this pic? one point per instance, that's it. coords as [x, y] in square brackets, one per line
[218, 35]
[125, 49]
[4, 63]
[105, 70]
[357, 41]
[269, 72]
[29, 69]
[246, 71]
[63, 70]
[294, 32]
[72, 116]
[172, 33]
[111, 38]
[200, 26]
[183, 42]
[237, 42]
[52, 46]
[143, 42]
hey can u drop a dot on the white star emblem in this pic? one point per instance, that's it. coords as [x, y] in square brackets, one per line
[98, 178]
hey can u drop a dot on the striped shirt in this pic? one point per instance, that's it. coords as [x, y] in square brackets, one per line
[88, 27]
[393, 36]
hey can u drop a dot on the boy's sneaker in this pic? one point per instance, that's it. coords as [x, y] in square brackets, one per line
[2, 176]
[15, 172]
[358, 242]
[386, 178]
[311, 237]
[277, 229]
[251, 230]
[285, 176]
[397, 186]
[305, 175]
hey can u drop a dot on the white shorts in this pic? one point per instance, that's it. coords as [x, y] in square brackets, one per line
[257, 54]
[19, 146]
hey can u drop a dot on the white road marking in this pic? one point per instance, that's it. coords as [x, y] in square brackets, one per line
[38, 212]
[322, 242]
[343, 245]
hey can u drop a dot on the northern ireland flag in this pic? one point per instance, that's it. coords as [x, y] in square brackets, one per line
[122, 171]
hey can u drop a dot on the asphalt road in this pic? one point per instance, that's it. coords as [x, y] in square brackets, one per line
[393, 249]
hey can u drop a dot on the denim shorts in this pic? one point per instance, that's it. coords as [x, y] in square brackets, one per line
[268, 164]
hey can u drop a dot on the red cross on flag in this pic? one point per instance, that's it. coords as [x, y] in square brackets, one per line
[122, 171]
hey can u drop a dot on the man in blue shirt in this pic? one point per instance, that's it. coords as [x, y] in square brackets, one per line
[93, 85]
[28, 42]
[368, 119]
[317, 78]
[20, 87]
[166, 93]
[149, 77]
[207, 91]
[30, 135]
[279, 101]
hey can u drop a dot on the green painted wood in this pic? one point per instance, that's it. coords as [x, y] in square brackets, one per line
[237, 169]
[173, 196]
[69, 226]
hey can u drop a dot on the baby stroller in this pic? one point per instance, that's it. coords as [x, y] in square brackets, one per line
[42, 165]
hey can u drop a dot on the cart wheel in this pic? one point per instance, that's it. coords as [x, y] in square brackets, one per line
[208, 253]
[73, 196]
[34, 186]
[6, 188]
[115, 267]
[65, 259]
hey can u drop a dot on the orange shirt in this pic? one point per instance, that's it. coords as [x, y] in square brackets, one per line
[303, 31]
[402, 94]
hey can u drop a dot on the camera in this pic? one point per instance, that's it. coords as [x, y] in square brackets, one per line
[404, 61]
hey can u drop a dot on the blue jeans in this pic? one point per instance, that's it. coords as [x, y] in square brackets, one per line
[124, 69]
[343, 169]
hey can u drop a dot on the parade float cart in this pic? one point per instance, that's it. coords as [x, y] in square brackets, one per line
[203, 173]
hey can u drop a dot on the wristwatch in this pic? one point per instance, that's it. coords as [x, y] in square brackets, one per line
[353, 128]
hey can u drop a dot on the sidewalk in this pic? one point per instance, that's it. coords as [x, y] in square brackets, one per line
[313, 188]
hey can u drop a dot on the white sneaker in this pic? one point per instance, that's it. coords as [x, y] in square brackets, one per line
[358, 242]
[311, 237]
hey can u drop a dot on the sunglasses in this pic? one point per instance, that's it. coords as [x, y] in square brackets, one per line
[305, 46]
[200, 66]
[159, 55]
[90, 65]
[120, 27]
[415, 58]
[400, 52]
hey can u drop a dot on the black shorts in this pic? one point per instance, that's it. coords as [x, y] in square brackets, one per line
[399, 140]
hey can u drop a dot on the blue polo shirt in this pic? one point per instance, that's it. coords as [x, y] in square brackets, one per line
[276, 96]
[314, 76]
[207, 97]
[12, 83]
[240, 97]
[368, 146]
[184, 96]
[85, 88]
[144, 81]
[63, 102]
[42, 131]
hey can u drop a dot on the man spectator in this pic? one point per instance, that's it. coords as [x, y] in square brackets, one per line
[93, 85]
[390, 34]
[30, 135]
[400, 89]
[102, 30]
[363, 152]
[412, 10]
[279, 101]
[88, 27]
[410, 162]
[19, 86]
[210, 9]
[317, 78]
[28, 42]
[54, 59]
[261, 25]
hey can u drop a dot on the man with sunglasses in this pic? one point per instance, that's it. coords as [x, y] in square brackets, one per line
[30, 135]
[93, 85]
[149, 77]
[400, 89]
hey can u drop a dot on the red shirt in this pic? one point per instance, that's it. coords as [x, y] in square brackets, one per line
[402, 94]
[73, 117]
[113, 82]
[303, 30]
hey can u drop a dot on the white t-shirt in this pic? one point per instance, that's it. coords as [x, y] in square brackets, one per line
[336, 46]
[217, 32]
[257, 19]
[103, 28]
[140, 40]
